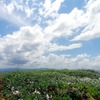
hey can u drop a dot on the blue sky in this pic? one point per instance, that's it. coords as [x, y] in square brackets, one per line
[50, 34]
[69, 5]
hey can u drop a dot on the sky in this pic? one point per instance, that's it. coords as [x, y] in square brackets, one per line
[61, 34]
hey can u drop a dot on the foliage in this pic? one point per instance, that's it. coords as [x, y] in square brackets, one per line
[52, 85]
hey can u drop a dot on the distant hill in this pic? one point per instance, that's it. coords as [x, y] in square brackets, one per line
[8, 69]
[20, 69]
[26, 69]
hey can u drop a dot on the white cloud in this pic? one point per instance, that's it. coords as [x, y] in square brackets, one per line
[92, 29]
[82, 61]
[8, 14]
[28, 46]
[47, 5]
[29, 12]
[17, 12]
[65, 24]
[69, 24]
[25, 12]
[50, 9]
[55, 47]
[22, 45]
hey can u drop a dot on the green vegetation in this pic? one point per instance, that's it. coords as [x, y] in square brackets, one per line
[50, 85]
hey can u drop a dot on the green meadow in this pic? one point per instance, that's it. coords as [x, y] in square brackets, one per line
[50, 85]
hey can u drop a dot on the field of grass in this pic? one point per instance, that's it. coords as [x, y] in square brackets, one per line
[50, 85]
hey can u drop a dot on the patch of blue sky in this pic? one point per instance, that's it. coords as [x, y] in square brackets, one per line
[69, 5]
[90, 47]
[65, 40]
[72, 53]
[76, 32]
[60, 40]
[7, 28]
[6, 1]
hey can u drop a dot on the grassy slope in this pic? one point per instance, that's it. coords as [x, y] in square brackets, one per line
[61, 84]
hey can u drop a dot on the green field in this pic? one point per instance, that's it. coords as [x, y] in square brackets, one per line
[50, 85]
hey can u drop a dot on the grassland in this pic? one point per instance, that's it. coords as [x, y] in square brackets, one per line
[50, 85]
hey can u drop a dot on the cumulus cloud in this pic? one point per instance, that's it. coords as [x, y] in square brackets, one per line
[65, 23]
[18, 47]
[81, 61]
[84, 23]
[92, 14]
[26, 46]
[40, 23]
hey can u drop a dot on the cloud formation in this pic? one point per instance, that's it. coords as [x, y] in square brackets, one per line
[39, 23]
[92, 15]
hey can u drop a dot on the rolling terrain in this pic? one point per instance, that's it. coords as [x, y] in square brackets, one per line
[50, 85]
